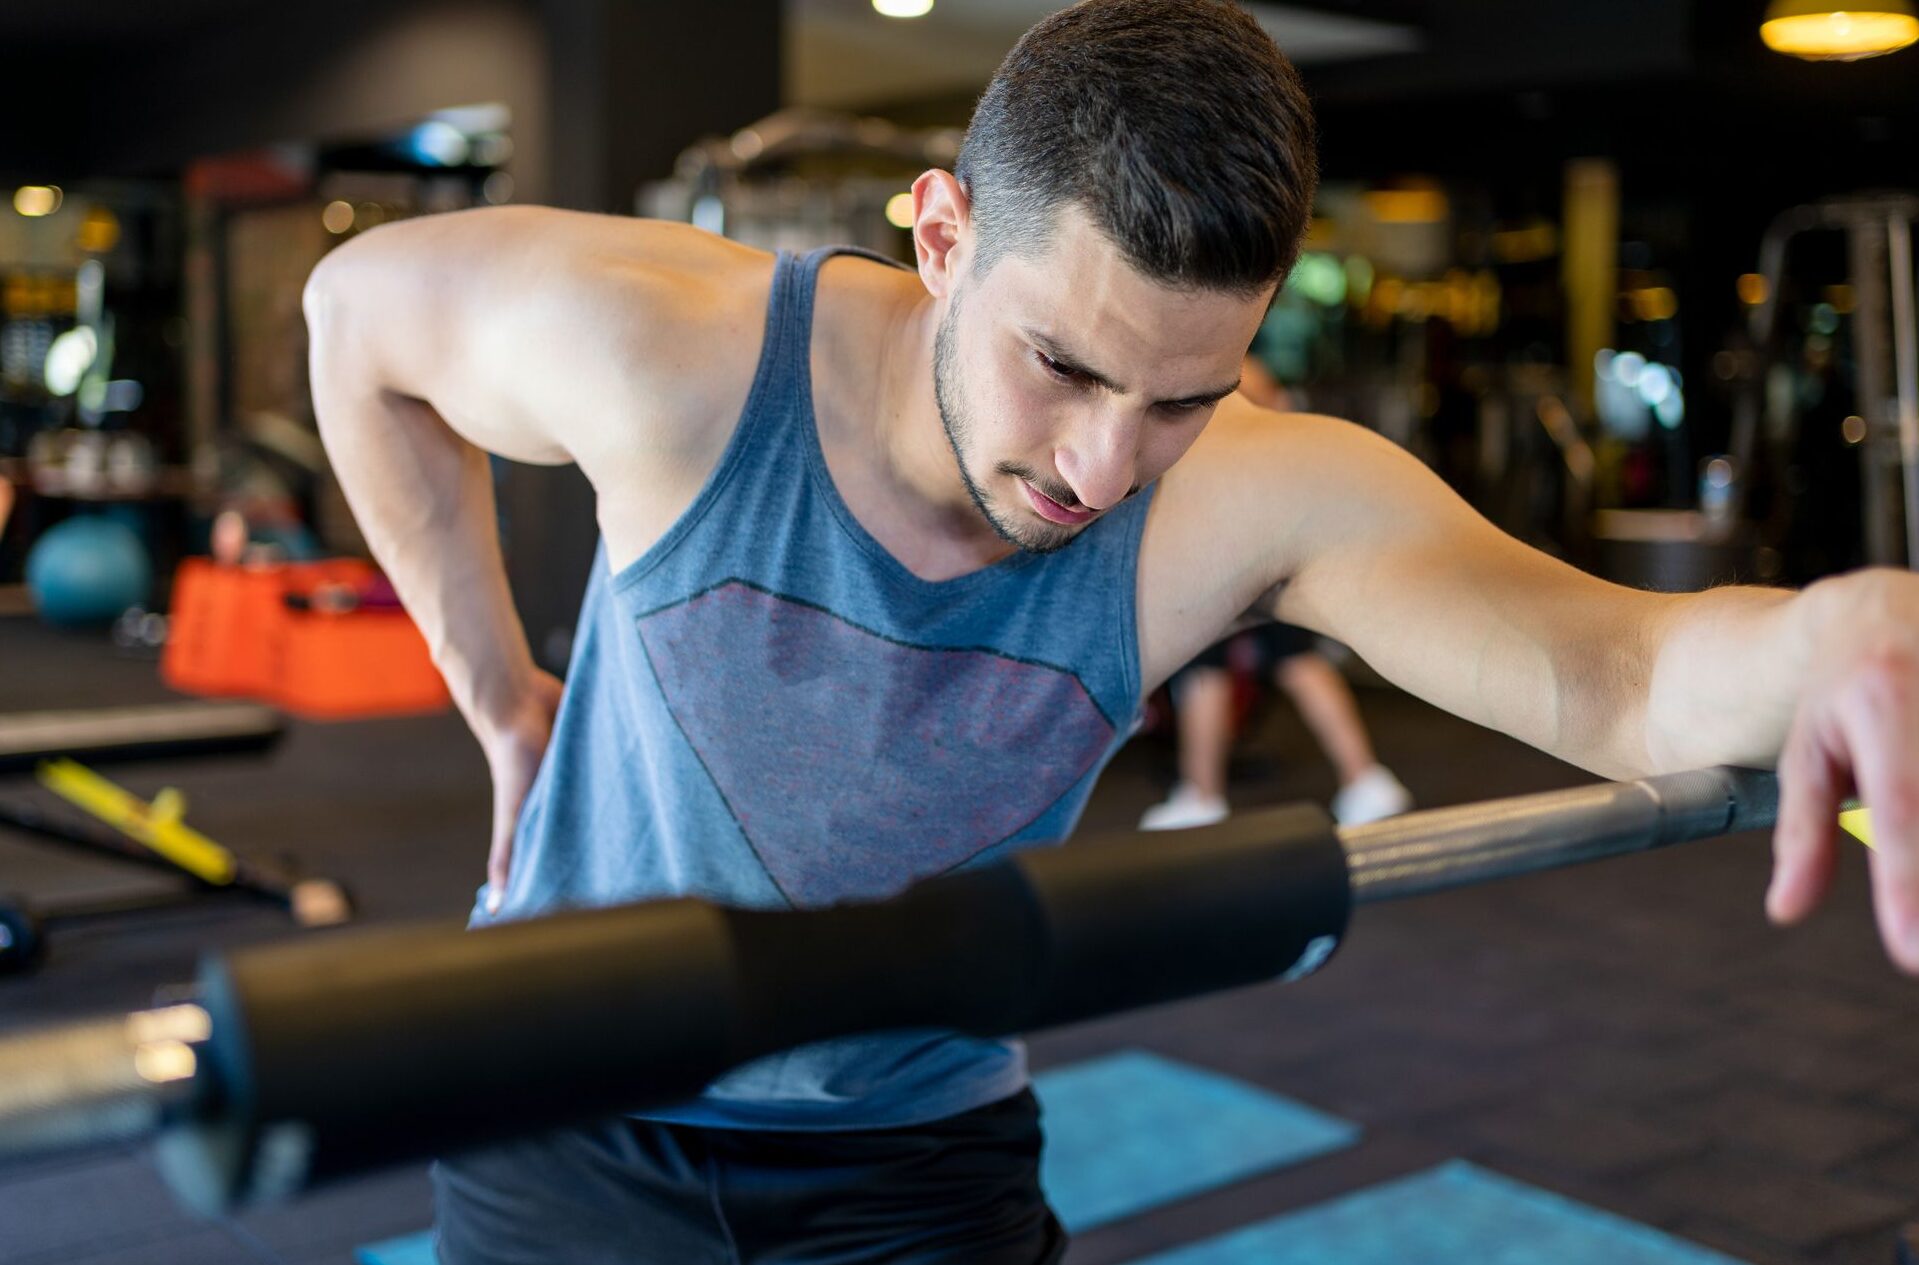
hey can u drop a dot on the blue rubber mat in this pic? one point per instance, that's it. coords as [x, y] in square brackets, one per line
[1456, 1214]
[1132, 1131]
[1125, 1133]
[412, 1249]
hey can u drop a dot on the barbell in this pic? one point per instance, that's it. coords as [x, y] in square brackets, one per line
[310, 1059]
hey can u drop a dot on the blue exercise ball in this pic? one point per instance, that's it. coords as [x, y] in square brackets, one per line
[87, 570]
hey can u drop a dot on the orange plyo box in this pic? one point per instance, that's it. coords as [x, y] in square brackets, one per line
[221, 631]
[234, 633]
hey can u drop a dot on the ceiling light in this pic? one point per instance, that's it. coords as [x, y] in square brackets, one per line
[1818, 31]
[903, 8]
[36, 199]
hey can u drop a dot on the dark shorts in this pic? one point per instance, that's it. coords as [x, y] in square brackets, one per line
[1262, 647]
[965, 1189]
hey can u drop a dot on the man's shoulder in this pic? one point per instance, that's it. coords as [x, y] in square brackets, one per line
[1268, 487]
[590, 313]
[1254, 451]
[653, 283]
[1238, 515]
[674, 316]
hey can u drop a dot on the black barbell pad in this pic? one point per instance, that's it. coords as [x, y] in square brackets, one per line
[334, 1054]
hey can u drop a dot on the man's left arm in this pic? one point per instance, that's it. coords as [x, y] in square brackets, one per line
[1823, 683]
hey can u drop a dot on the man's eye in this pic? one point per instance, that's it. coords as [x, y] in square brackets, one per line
[1055, 368]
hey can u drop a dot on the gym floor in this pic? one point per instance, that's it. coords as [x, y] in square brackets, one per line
[1630, 1034]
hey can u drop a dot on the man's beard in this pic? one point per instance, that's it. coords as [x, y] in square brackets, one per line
[949, 397]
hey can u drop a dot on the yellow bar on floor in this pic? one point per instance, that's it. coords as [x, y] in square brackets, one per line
[157, 825]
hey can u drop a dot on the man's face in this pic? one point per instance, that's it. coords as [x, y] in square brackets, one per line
[1066, 381]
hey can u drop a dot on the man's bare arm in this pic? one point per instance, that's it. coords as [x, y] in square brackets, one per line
[1370, 547]
[1618, 680]
[1349, 535]
[545, 336]
[540, 335]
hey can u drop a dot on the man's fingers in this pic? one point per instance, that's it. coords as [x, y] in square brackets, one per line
[1896, 906]
[496, 867]
[499, 857]
[1882, 733]
[1804, 849]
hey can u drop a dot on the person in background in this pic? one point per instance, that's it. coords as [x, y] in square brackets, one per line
[1204, 713]
[1203, 705]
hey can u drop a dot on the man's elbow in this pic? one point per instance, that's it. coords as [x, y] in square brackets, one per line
[321, 297]
[342, 270]
[320, 303]
[345, 364]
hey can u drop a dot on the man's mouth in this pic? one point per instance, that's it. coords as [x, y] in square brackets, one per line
[1052, 511]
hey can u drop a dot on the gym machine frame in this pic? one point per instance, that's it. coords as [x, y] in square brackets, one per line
[315, 1058]
[1878, 230]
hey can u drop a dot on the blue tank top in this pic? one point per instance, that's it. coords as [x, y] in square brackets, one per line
[767, 709]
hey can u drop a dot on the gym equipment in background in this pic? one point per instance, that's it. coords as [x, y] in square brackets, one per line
[1885, 335]
[311, 1059]
[152, 836]
[103, 734]
[325, 640]
[803, 178]
[26, 924]
[87, 570]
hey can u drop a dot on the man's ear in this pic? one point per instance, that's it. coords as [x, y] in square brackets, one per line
[942, 230]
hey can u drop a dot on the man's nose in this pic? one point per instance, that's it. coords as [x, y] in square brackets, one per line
[1102, 464]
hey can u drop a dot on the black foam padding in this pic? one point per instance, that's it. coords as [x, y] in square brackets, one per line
[336, 1053]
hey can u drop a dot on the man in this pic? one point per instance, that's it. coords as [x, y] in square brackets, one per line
[891, 557]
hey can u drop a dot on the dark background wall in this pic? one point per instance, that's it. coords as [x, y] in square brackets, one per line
[604, 95]
[630, 86]
[1713, 134]
[358, 68]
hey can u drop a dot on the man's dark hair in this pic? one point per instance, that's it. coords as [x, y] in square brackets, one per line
[1177, 124]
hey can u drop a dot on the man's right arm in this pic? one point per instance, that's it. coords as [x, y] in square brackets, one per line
[544, 336]
[541, 335]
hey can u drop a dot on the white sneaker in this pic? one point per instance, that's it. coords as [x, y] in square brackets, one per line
[1184, 809]
[1374, 794]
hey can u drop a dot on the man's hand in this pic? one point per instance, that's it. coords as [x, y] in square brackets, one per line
[1855, 732]
[514, 749]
